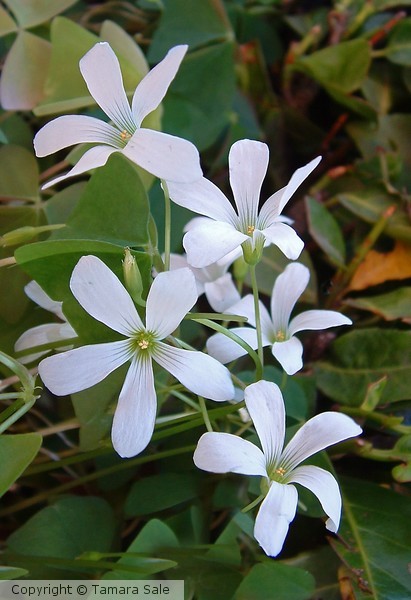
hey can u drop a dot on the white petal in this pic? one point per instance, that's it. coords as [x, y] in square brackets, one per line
[289, 355]
[225, 349]
[318, 433]
[172, 295]
[270, 211]
[265, 404]
[204, 198]
[285, 238]
[39, 296]
[276, 513]
[42, 334]
[325, 487]
[81, 368]
[288, 287]
[135, 415]
[210, 242]
[317, 319]
[152, 89]
[248, 161]
[103, 296]
[165, 156]
[227, 453]
[101, 72]
[221, 293]
[93, 158]
[296, 180]
[245, 308]
[74, 129]
[198, 372]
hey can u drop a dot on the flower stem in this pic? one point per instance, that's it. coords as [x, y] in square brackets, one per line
[167, 226]
[257, 317]
[253, 503]
[204, 412]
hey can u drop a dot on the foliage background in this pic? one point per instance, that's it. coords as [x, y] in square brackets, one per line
[308, 78]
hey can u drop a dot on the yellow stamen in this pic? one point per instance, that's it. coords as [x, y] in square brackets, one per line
[280, 336]
[144, 344]
[280, 471]
[125, 135]
[250, 229]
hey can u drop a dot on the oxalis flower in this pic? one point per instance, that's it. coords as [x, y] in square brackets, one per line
[224, 452]
[277, 331]
[163, 155]
[249, 228]
[46, 333]
[102, 295]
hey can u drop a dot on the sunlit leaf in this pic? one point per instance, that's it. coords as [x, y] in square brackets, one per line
[24, 72]
[30, 13]
[378, 267]
[15, 160]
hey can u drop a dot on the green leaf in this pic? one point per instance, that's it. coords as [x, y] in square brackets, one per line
[112, 192]
[30, 13]
[289, 583]
[16, 453]
[340, 68]
[389, 306]
[370, 203]
[201, 94]
[398, 49]
[195, 23]
[326, 231]
[71, 526]
[12, 573]
[155, 539]
[24, 72]
[360, 358]
[323, 564]
[158, 492]
[14, 161]
[374, 542]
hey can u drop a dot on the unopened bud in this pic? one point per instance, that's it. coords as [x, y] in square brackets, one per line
[132, 277]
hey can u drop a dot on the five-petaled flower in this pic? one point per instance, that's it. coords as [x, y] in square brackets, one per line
[224, 452]
[163, 155]
[102, 295]
[249, 228]
[277, 331]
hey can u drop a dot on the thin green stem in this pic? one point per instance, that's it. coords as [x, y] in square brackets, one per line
[204, 412]
[16, 415]
[257, 317]
[238, 340]
[167, 226]
[253, 503]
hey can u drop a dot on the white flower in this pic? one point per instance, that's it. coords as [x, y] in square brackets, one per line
[101, 294]
[163, 155]
[228, 230]
[224, 452]
[277, 331]
[214, 280]
[47, 333]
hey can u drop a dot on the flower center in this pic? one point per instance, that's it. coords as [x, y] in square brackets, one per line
[278, 474]
[143, 341]
[250, 229]
[280, 336]
[125, 135]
